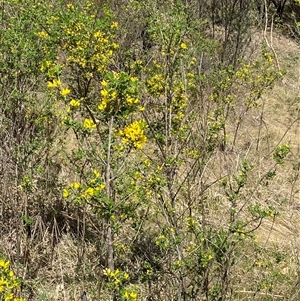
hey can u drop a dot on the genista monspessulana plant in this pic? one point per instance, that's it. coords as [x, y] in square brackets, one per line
[127, 169]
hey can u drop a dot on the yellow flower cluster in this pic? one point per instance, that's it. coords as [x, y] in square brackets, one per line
[179, 102]
[116, 277]
[74, 103]
[162, 241]
[119, 93]
[65, 193]
[206, 258]
[4, 265]
[82, 41]
[52, 69]
[65, 91]
[191, 223]
[8, 282]
[43, 34]
[89, 124]
[130, 295]
[134, 135]
[92, 191]
[256, 76]
[268, 57]
[88, 193]
[183, 46]
[45, 66]
[243, 72]
[156, 85]
[55, 83]
[114, 25]
[86, 48]
[70, 6]
[93, 188]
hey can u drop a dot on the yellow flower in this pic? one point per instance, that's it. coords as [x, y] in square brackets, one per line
[114, 46]
[98, 35]
[96, 173]
[4, 264]
[70, 6]
[89, 124]
[133, 295]
[183, 46]
[131, 101]
[65, 193]
[8, 297]
[147, 163]
[74, 103]
[3, 282]
[102, 105]
[104, 93]
[75, 185]
[114, 95]
[134, 79]
[45, 65]
[117, 271]
[65, 92]
[130, 296]
[89, 192]
[114, 25]
[55, 83]
[43, 34]
[193, 61]
[104, 83]
[100, 187]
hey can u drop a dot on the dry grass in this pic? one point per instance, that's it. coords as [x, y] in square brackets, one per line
[282, 124]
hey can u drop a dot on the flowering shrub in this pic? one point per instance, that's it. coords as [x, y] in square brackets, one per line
[9, 283]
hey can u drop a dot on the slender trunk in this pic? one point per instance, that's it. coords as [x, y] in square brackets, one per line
[109, 196]
[109, 234]
[110, 247]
